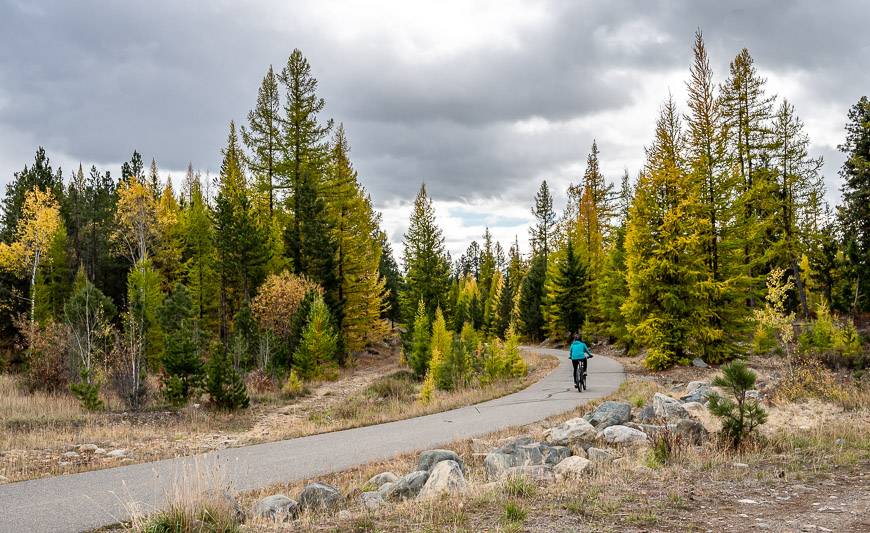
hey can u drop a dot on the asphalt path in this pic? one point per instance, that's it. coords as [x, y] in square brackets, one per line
[89, 500]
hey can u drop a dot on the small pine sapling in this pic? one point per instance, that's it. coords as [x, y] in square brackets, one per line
[743, 414]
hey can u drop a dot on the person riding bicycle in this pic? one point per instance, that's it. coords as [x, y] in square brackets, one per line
[579, 354]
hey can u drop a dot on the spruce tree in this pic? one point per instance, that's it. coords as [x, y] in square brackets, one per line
[389, 272]
[317, 352]
[541, 234]
[569, 293]
[224, 385]
[182, 366]
[531, 295]
[854, 214]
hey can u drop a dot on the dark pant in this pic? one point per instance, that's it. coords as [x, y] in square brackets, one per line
[578, 363]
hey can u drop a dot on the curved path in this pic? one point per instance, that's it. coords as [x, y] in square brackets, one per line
[94, 499]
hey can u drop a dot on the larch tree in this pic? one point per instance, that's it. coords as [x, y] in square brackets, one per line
[355, 232]
[663, 253]
[709, 166]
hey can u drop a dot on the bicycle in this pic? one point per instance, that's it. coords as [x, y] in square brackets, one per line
[580, 382]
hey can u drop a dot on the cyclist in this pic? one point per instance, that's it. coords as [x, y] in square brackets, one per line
[579, 354]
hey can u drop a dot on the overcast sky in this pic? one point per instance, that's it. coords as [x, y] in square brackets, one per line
[481, 100]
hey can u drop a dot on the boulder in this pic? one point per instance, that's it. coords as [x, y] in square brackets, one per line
[445, 477]
[118, 453]
[652, 430]
[277, 507]
[646, 414]
[536, 473]
[386, 489]
[623, 435]
[408, 485]
[571, 468]
[699, 412]
[697, 391]
[600, 455]
[668, 408]
[371, 500]
[384, 477]
[516, 454]
[689, 431]
[576, 431]
[430, 458]
[320, 497]
[698, 362]
[609, 414]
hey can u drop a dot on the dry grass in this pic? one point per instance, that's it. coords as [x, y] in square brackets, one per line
[634, 494]
[38, 428]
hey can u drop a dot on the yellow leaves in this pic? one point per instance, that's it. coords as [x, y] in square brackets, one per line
[135, 218]
[278, 300]
[40, 221]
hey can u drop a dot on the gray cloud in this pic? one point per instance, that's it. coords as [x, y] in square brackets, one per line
[93, 80]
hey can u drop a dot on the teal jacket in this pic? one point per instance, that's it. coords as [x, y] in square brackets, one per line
[578, 350]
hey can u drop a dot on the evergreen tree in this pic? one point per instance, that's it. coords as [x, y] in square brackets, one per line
[263, 137]
[419, 353]
[224, 385]
[200, 262]
[389, 272]
[427, 267]
[854, 214]
[664, 260]
[318, 345]
[182, 365]
[531, 295]
[724, 316]
[441, 357]
[568, 294]
[541, 234]
[355, 232]
[169, 242]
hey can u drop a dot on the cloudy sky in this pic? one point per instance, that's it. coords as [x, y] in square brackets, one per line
[479, 99]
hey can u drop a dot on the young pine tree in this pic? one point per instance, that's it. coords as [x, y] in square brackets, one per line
[317, 353]
[182, 366]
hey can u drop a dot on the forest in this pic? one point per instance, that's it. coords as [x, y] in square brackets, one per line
[722, 245]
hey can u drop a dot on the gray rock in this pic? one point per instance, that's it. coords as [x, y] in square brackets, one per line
[652, 430]
[118, 453]
[384, 477]
[571, 467]
[445, 477]
[319, 497]
[510, 446]
[697, 391]
[646, 414]
[571, 432]
[70, 455]
[600, 455]
[386, 489]
[623, 435]
[531, 454]
[371, 500]
[408, 485]
[88, 448]
[537, 473]
[277, 507]
[698, 362]
[668, 408]
[609, 414]
[754, 394]
[689, 431]
[430, 458]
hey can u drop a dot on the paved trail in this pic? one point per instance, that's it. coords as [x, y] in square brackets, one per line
[90, 500]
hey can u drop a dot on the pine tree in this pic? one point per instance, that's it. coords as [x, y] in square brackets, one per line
[389, 272]
[568, 294]
[169, 245]
[200, 262]
[854, 214]
[441, 359]
[663, 254]
[263, 137]
[427, 267]
[612, 287]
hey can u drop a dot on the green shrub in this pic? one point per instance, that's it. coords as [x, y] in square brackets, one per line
[87, 392]
[837, 341]
[294, 387]
[743, 414]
